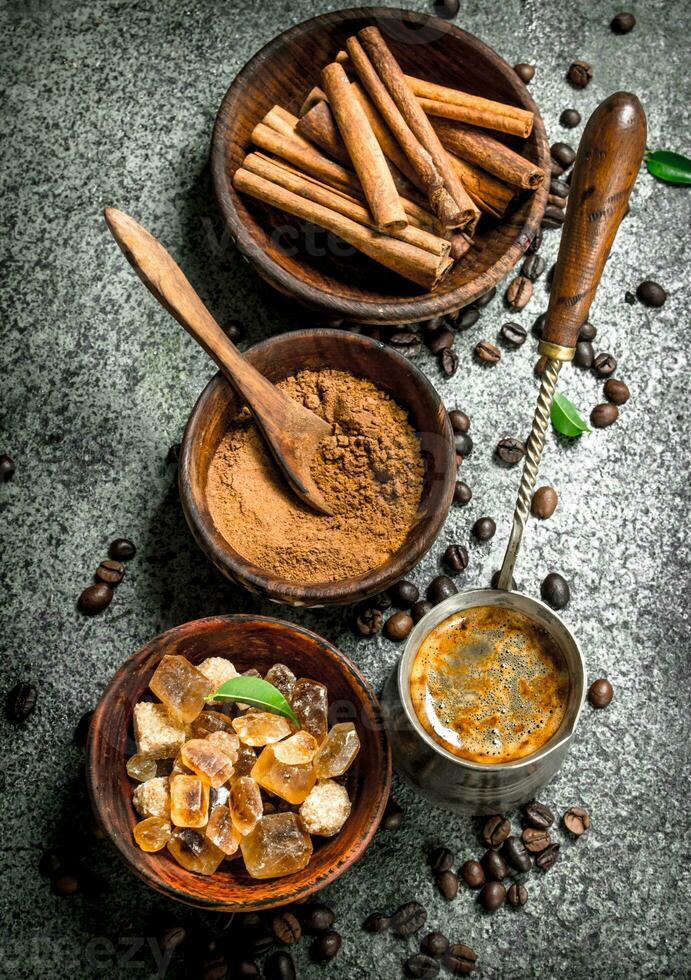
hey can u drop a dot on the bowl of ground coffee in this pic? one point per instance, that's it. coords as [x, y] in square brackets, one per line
[387, 473]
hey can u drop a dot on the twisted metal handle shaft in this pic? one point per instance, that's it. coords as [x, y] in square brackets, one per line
[533, 452]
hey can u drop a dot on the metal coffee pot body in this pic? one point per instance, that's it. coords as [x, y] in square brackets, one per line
[458, 784]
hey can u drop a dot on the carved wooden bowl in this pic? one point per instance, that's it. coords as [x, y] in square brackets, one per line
[354, 287]
[277, 358]
[249, 641]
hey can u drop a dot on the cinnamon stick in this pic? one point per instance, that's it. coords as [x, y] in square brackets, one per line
[491, 155]
[414, 263]
[438, 100]
[314, 96]
[490, 194]
[368, 159]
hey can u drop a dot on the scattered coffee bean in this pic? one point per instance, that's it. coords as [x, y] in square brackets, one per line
[65, 885]
[486, 298]
[326, 946]
[462, 493]
[455, 559]
[246, 970]
[473, 874]
[563, 154]
[286, 928]
[171, 939]
[459, 959]
[110, 571]
[517, 895]
[369, 621]
[487, 352]
[376, 922]
[122, 549]
[446, 8]
[533, 267]
[434, 944]
[81, 732]
[382, 601]
[407, 919]
[406, 343]
[539, 325]
[467, 318]
[603, 415]
[404, 593]
[536, 242]
[604, 365]
[600, 693]
[441, 340]
[234, 330]
[651, 293]
[525, 72]
[579, 74]
[20, 702]
[587, 332]
[513, 334]
[393, 815]
[548, 858]
[555, 590]
[459, 421]
[316, 918]
[420, 609]
[576, 820]
[494, 581]
[440, 588]
[616, 391]
[510, 451]
[535, 840]
[519, 292]
[585, 355]
[555, 169]
[440, 859]
[484, 528]
[629, 298]
[544, 503]
[492, 896]
[538, 815]
[540, 366]
[559, 189]
[398, 626]
[8, 467]
[494, 865]
[95, 598]
[496, 830]
[279, 966]
[553, 217]
[463, 443]
[447, 883]
[623, 23]
[448, 362]
[570, 118]
[431, 327]
[516, 854]
[419, 965]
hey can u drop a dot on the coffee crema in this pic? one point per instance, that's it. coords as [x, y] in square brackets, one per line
[490, 685]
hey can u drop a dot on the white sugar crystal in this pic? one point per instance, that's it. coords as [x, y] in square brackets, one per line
[218, 670]
[152, 798]
[326, 808]
[158, 736]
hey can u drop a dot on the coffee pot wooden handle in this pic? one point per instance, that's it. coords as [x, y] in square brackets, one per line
[608, 160]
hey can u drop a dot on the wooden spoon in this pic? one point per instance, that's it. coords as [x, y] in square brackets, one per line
[291, 431]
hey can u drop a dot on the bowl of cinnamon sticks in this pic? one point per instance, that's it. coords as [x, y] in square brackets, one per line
[380, 165]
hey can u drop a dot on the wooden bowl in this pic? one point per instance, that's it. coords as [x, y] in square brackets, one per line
[277, 358]
[249, 641]
[355, 288]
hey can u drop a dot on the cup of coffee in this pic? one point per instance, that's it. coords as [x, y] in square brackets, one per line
[484, 702]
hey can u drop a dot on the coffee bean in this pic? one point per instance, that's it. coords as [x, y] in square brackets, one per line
[376, 922]
[616, 391]
[563, 154]
[651, 293]
[467, 318]
[369, 621]
[234, 330]
[20, 702]
[494, 865]
[535, 840]
[326, 946]
[440, 588]
[579, 74]
[513, 334]
[171, 939]
[447, 883]
[408, 918]
[441, 340]
[553, 217]
[434, 944]
[65, 885]
[539, 325]
[286, 928]
[517, 895]
[420, 609]
[486, 298]
[8, 467]
[404, 593]
[246, 970]
[533, 267]
[548, 858]
[446, 8]
[536, 242]
[544, 503]
[623, 23]
[316, 918]
[516, 854]
[492, 896]
[448, 362]
[279, 966]
[459, 421]
[540, 366]
[570, 118]
[51, 862]
[519, 292]
[81, 732]
[95, 598]
[600, 693]
[559, 188]
[487, 352]
[214, 967]
[587, 332]
[603, 415]
[576, 820]
[462, 493]
[463, 443]
[122, 549]
[510, 451]
[419, 965]
[433, 326]
[555, 590]
[382, 601]
[494, 581]
[455, 559]
[585, 355]
[525, 72]
[440, 859]
[484, 528]
[406, 343]
[393, 815]
[110, 571]
[629, 297]
[604, 365]
[398, 626]
[473, 874]
[555, 169]
[496, 830]
[538, 815]
[459, 959]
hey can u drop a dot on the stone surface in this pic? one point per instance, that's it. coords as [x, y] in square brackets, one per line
[113, 103]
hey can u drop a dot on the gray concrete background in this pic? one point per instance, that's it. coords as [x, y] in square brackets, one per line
[112, 102]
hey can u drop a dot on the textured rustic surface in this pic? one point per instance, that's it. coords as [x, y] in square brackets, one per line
[113, 103]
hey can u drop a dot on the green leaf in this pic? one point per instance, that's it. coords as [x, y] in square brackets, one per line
[673, 168]
[566, 418]
[256, 692]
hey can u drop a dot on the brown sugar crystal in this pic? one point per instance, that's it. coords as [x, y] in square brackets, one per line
[370, 472]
